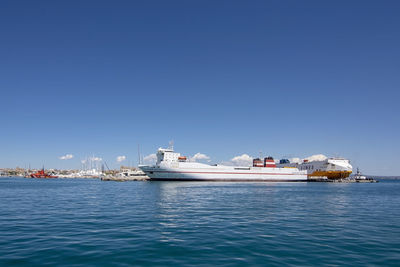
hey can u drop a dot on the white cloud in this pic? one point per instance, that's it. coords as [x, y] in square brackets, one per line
[68, 156]
[121, 158]
[318, 157]
[243, 160]
[150, 159]
[295, 160]
[199, 156]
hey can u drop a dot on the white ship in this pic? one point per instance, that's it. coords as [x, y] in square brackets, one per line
[331, 168]
[174, 167]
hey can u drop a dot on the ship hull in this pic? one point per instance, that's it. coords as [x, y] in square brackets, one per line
[226, 180]
[331, 174]
[252, 175]
[43, 177]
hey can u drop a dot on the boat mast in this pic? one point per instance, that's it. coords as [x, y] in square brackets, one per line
[138, 151]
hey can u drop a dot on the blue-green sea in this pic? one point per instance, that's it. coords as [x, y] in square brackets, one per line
[87, 222]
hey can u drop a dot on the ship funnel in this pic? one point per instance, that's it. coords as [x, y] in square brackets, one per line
[257, 162]
[269, 162]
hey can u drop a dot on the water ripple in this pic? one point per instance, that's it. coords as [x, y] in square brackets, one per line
[91, 223]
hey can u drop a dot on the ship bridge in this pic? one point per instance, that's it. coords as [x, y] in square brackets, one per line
[167, 155]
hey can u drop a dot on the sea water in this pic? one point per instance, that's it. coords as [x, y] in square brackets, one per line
[87, 222]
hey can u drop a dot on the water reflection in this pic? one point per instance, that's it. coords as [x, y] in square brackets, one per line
[191, 206]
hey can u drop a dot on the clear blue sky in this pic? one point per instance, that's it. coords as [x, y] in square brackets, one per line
[289, 78]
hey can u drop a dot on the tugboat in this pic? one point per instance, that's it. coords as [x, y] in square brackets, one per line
[359, 176]
[42, 174]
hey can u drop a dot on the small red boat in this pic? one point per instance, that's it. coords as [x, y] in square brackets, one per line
[42, 174]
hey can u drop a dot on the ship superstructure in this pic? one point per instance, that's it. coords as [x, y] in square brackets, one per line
[171, 165]
[331, 168]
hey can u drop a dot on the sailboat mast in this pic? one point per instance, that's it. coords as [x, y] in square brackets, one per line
[138, 149]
